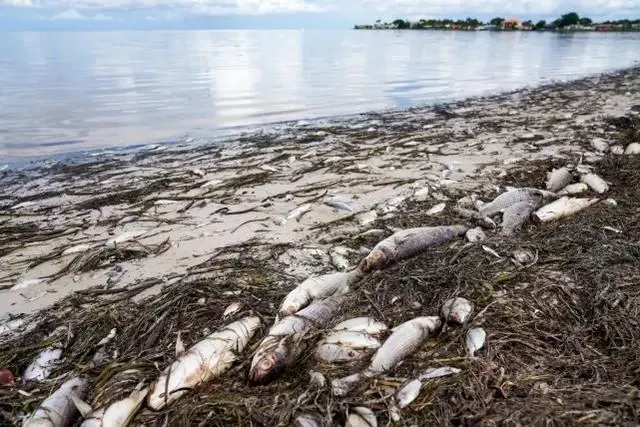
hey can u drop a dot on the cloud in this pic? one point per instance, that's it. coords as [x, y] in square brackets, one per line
[74, 15]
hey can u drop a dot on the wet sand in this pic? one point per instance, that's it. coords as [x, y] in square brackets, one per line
[185, 202]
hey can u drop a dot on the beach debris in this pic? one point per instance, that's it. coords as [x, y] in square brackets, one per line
[318, 287]
[610, 202]
[467, 202]
[617, 150]
[197, 172]
[25, 284]
[368, 325]
[317, 379]
[405, 339]
[232, 309]
[475, 340]
[393, 204]
[204, 361]
[558, 179]
[361, 417]
[282, 345]
[408, 393]
[76, 249]
[512, 197]
[268, 168]
[299, 211]
[7, 377]
[475, 235]
[524, 257]
[457, 310]
[108, 338]
[164, 202]
[117, 414]
[125, 237]
[443, 371]
[212, 183]
[40, 368]
[577, 188]
[632, 149]
[515, 216]
[614, 230]
[479, 218]
[407, 243]
[563, 207]
[58, 410]
[366, 218]
[340, 203]
[437, 209]
[600, 145]
[491, 251]
[594, 182]
[421, 194]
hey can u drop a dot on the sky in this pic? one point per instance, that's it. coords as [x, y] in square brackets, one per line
[180, 14]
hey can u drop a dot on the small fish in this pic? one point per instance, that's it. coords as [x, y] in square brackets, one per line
[204, 361]
[212, 183]
[40, 368]
[457, 310]
[307, 420]
[117, 414]
[336, 353]
[125, 237]
[491, 251]
[524, 256]
[357, 340]
[76, 249]
[340, 203]
[7, 377]
[408, 243]
[58, 410]
[558, 179]
[600, 145]
[512, 197]
[408, 393]
[26, 284]
[437, 209]
[232, 309]
[339, 261]
[577, 188]
[106, 340]
[179, 345]
[361, 417]
[164, 202]
[421, 194]
[477, 217]
[515, 216]
[317, 379]
[367, 325]
[283, 343]
[562, 207]
[268, 168]
[444, 371]
[467, 202]
[610, 202]
[299, 211]
[475, 235]
[594, 182]
[318, 287]
[632, 149]
[617, 150]
[475, 340]
[367, 218]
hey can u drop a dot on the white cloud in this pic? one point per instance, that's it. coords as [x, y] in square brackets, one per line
[74, 15]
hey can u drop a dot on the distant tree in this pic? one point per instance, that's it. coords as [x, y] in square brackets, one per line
[401, 23]
[540, 24]
[528, 23]
[585, 21]
[496, 21]
[570, 18]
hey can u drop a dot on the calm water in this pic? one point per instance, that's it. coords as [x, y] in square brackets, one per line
[63, 92]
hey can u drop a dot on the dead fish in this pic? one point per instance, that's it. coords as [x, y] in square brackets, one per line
[117, 414]
[361, 417]
[368, 325]
[600, 145]
[268, 168]
[632, 149]
[393, 204]
[475, 340]
[340, 203]
[299, 211]
[408, 393]
[558, 179]
[477, 217]
[125, 237]
[212, 183]
[58, 410]
[352, 339]
[512, 197]
[475, 235]
[443, 371]
[594, 182]
[366, 218]
[306, 420]
[437, 209]
[577, 188]
[515, 216]
[317, 379]
[457, 310]
[204, 361]
[318, 287]
[76, 249]
[339, 261]
[337, 353]
[467, 202]
[24, 284]
[407, 243]
[491, 251]
[421, 194]
[524, 257]
[617, 150]
[232, 309]
[562, 207]
[197, 172]
[40, 368]
[282, 345]
[164, 202]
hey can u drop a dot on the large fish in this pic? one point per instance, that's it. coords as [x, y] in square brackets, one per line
[407, 243]
[558, 179]
[117, 414]
[318, 287]
[204, 361]
[594, 182]
[282, 345]
[58, 410]
[515, 216]
[562, 207]
[512, 197]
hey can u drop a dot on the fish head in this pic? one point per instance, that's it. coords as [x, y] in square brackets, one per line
[270, 364]
[375, 260]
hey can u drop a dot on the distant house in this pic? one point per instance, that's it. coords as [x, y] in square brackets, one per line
[511, 24]
[487, 28]
[605, 27]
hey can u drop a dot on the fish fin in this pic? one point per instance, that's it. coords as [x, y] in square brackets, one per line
[83, 407]
[179, 346]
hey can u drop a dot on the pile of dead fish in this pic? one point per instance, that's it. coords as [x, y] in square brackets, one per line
[310, 310]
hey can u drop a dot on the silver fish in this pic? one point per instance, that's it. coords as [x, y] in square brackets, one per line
[475, 340]
[512, 197]
[117, 414]
[558, 179]
[562, 207]
[632, 149]
[336, 353]
[339, 261]
[515, 216]
[281, 347]
[204, 361]
[318, 287]
[457, 310]
[352, 339]
[40, 368]
[408, 393]
[467, 202]
[475, 235]
[307, 420]
[367, 325]
[232, 309]
[361, 417]
[437, 209]
[340, 203]
[58, 410]
[596, 183]
[444, 371]
[618, 149]
[407, 243]
[577, 188]
[299, 211]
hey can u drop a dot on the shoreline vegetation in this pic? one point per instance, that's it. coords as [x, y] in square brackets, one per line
[569, 22]
[114, 265]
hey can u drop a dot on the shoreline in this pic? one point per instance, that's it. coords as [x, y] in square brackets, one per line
[378, 161]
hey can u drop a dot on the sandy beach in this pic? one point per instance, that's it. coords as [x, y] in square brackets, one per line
[164, 239]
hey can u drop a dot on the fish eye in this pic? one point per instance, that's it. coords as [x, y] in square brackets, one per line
[265, 364]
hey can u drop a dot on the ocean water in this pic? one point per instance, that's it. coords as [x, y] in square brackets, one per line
[74, 92]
